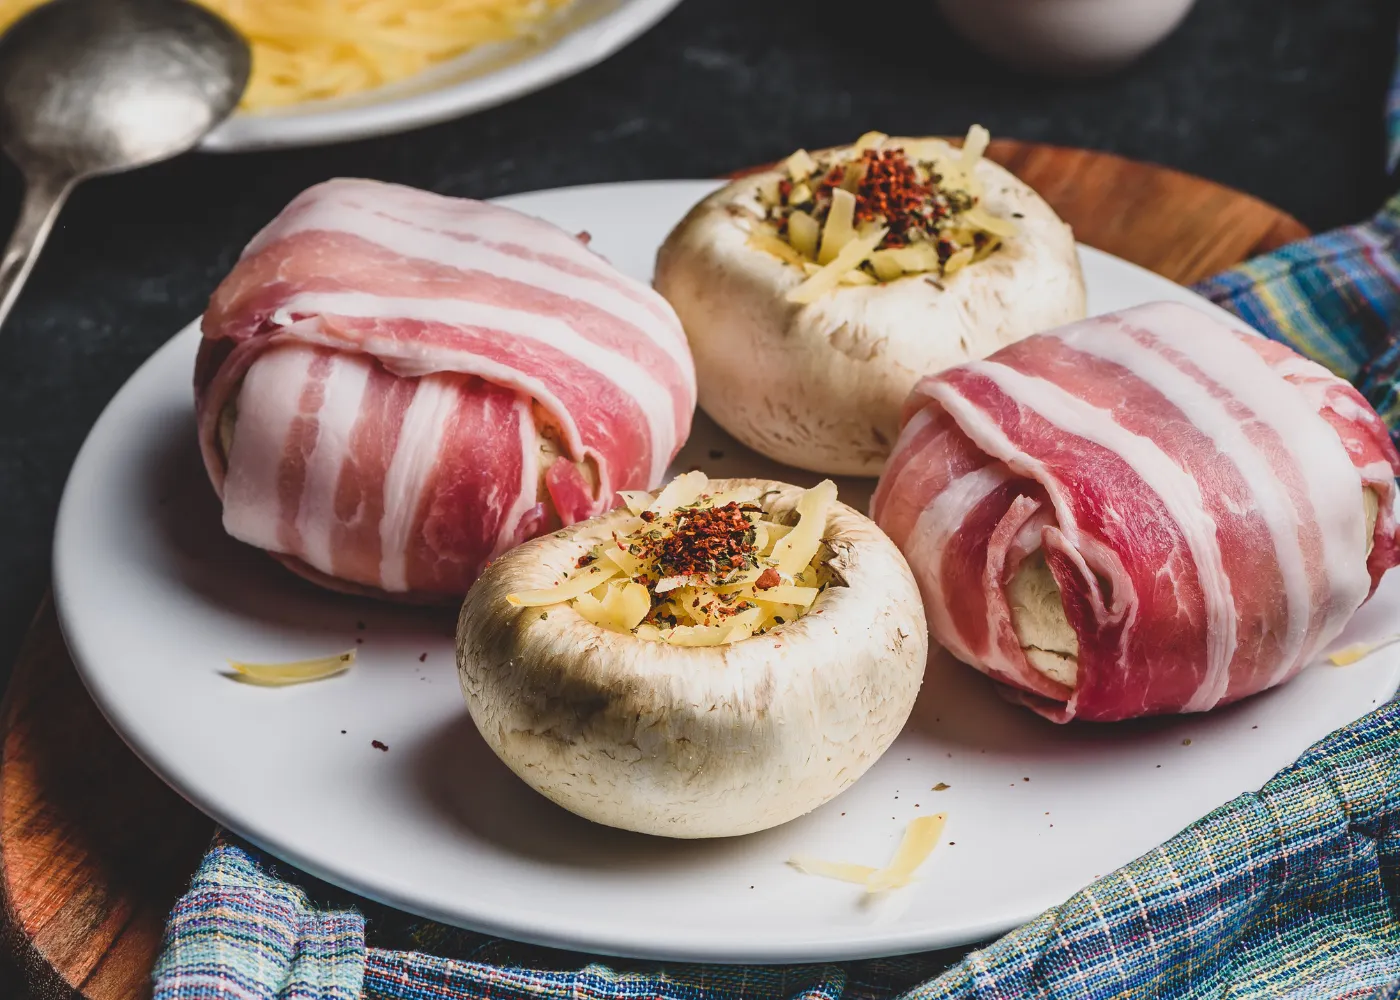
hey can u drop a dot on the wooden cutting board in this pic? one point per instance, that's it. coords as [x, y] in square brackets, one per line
[94, 849]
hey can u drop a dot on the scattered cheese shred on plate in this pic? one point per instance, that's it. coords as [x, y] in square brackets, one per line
[920, 838]
[295, 672]
[839, 870]
[1348, 655]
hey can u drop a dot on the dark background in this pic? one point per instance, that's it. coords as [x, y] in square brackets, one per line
[1281, 98]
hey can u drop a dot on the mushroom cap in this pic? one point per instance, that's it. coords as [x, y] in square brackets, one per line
[821, 386]
[694, 742]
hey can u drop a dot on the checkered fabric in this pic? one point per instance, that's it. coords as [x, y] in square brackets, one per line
[1334, 298]
[1289, 893]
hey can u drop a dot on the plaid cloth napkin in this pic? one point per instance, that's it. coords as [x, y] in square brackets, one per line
[1289, 892]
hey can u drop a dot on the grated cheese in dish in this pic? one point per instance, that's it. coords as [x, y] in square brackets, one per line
[878, 211]
[696, 568]
[307, 50]
[920, 838]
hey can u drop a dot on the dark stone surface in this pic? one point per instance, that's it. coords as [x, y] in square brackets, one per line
[1282, 98]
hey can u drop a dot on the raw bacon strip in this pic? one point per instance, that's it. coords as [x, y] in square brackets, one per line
[394, 387]
[1196, 492]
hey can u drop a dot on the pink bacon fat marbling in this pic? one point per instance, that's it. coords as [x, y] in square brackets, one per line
[394, 387]
[1197, 493]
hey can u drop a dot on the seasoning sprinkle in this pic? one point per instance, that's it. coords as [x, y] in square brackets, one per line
[707, 540]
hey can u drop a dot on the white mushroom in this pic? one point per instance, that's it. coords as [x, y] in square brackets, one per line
[820, 385]
[687, 741]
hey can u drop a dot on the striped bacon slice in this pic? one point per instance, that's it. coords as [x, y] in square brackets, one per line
[394, 387]
[1196, 491]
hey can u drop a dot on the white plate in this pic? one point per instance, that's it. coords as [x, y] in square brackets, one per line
[585, 34]
[153, 598]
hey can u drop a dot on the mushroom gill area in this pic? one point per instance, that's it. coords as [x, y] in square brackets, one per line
[1038, 614]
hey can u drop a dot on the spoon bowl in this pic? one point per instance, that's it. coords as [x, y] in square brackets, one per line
[91, 87]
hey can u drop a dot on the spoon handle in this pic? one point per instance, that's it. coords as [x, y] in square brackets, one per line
[43, 197]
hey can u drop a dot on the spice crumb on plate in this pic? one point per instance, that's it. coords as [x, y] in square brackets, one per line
[379, 745]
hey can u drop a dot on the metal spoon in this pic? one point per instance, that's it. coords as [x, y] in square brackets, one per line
[91, 87]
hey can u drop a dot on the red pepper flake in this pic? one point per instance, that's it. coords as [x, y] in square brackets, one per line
[768, 579]
[584, 237]
[648, 516]
[379, 746]
[707, 540]
[423, 658]
[587, 559]
[890, 189]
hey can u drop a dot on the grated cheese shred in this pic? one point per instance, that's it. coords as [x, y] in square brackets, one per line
[294, 672]
[921, 836]
[1358, 651]
[881, 210]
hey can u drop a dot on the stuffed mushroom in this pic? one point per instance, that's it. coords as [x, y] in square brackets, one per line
[714, 660]
[816, 295]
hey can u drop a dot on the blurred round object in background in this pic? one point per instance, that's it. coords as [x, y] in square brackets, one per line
[1065, 37]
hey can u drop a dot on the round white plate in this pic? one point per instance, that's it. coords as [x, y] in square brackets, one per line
[583, 35]
[154, 598]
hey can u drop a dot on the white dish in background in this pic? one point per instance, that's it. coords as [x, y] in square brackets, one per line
[153, 599]
[581, 36]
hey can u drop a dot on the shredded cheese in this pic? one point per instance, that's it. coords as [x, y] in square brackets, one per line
[781, 249]
[979, 218]
[871, 140]
[679, 492]
[804, 234]
[852, 255]
[1358, 651]
[567, 589]
[799, 546]
[309, 50]
[840, 870]
[294, 672]
[695, 568]
[920, 838]
[974, 146]
[840, 226]
[924, 198]
[800, 166]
